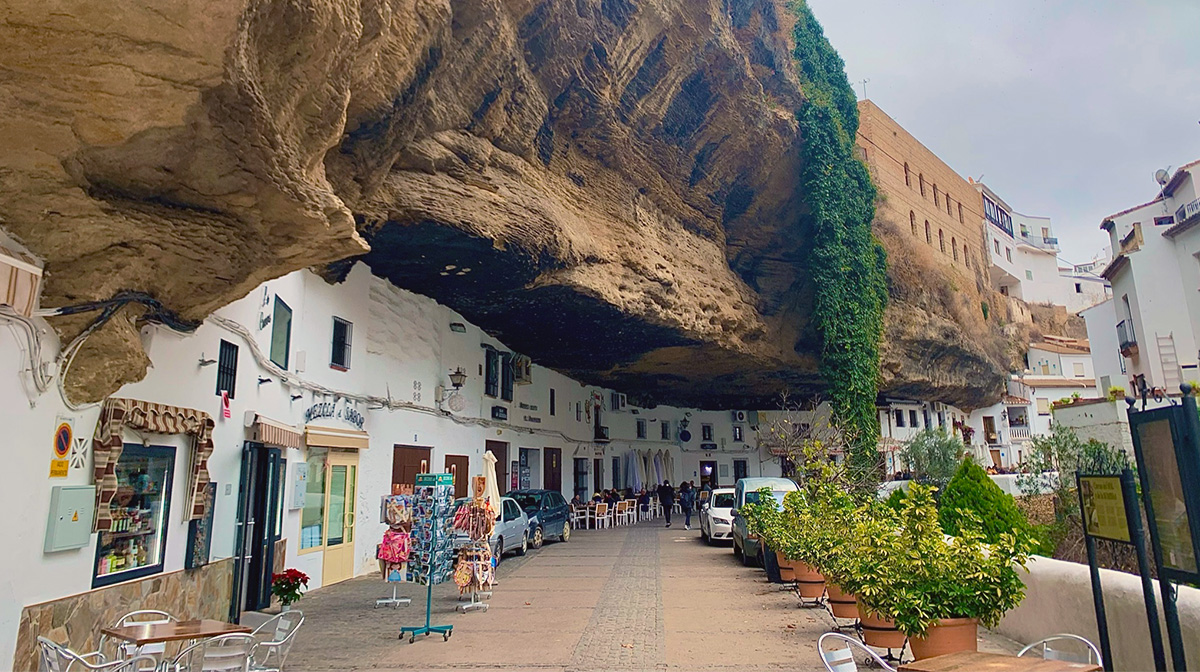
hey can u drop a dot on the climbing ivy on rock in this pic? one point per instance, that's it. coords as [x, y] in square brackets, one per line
[847, 265]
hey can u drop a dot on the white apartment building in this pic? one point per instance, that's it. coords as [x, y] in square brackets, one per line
[319, 399]
[1024, 264]
[1155, 278]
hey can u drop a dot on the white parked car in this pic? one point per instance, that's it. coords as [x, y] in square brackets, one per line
[716, 520]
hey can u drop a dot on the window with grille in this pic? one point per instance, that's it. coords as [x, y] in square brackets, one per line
[738, 433]
[340, 357]
[706, 432]
[227, 368]
[641, 429]
[491, 385]
[281, 333]
[507, 376]
[666, 430]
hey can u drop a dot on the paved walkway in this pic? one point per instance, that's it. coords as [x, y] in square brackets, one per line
[632, 598]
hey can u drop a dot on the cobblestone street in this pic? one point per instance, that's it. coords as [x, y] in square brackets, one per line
[632, 598]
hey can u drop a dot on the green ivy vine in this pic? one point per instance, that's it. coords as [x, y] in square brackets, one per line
[845, 261]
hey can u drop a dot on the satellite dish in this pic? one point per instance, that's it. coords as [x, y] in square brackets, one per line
[1161, 176]
[685, 436]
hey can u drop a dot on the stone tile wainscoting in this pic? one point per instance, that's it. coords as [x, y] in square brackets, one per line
[77, 620]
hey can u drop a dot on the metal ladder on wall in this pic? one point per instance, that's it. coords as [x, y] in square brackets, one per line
[1169, 360]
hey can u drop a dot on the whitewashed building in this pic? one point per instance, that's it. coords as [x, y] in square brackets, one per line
[1155, 278]
[319, 399]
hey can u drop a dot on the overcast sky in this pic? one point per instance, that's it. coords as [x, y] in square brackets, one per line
[1066, 107]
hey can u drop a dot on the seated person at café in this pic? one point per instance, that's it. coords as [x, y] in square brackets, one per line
[576, 502]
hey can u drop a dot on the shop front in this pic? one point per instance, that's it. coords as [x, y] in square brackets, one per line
[328, 517]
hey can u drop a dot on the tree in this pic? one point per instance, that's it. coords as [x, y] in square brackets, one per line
[932, 456]
[808, 437]
[972, 491]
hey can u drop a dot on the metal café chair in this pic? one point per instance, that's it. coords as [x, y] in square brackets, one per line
[1087, 653]
[128, 650]
[842, 659]
[224, 653]
[54, 657]
[275, 638]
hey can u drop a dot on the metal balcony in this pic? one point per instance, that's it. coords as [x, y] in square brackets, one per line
[1126, 339]
[601, 435]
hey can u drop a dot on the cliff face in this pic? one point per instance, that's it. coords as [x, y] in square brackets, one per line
[607, 185]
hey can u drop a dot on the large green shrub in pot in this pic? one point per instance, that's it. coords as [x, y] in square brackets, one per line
[764, 518]
[972, 491]
[917, 576]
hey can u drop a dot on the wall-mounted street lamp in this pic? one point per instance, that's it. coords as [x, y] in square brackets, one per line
[458, 378]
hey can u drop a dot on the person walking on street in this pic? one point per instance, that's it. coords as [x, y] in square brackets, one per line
[666, 497]
[687, 499]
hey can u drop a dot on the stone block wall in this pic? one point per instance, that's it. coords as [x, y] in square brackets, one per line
[76, 620]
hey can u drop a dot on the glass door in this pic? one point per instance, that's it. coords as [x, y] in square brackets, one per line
[342, 477]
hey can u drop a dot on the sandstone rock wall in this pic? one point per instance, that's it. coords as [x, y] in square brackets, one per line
[608, 185]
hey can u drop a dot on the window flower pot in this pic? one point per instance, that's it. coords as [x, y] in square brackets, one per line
[948, 635]
[843, 605]
[879, 632]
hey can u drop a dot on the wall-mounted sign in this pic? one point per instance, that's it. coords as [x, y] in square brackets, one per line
[499, 413]
[1161, 438]
[299, 486]
[532, 418]
[64, 438]
[1104, 507]
[528, 407]
[514, 475]
[264, 312]
[339, 408]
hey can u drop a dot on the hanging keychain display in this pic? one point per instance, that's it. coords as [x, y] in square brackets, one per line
[474, 571]
[396, 512]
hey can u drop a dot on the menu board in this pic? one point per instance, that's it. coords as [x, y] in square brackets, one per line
[1167, 496]
[1103, 508]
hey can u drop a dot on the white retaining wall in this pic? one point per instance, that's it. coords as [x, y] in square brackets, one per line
[1059, 600]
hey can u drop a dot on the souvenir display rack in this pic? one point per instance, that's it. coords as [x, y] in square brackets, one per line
[474, 570]
[429, 562]
[396, 511]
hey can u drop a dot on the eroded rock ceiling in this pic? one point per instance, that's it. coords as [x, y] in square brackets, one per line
[619, 177]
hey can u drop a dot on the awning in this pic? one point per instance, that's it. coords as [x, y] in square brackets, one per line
[332, 437]
[276, 433]
[107, 443]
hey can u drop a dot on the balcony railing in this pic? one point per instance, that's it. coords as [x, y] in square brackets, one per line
[1126, 339]
[1018, 433]
[1047, 243]
[601, 435]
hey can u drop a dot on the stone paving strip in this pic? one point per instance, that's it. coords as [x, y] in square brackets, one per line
[638, 598]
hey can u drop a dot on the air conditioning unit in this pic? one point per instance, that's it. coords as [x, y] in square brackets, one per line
[739, 416]
[20, 279]
[752, 420]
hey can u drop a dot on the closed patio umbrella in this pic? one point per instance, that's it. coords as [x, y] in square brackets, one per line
[491, 490]
[632, 472]
[669, 465]
[658, 468]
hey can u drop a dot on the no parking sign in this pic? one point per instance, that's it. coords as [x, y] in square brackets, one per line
[63, 440]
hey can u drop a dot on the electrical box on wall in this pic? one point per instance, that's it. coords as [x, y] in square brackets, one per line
[72, 508]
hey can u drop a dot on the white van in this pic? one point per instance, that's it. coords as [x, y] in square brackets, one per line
[745, 547]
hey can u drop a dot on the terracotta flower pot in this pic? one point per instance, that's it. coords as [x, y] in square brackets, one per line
[843, 605]
[786, 573]
[948, 635]
[809, 581]
[879, 632]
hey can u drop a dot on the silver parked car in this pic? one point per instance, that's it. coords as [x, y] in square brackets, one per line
[745, 545]
[716, 518]
[511, 533]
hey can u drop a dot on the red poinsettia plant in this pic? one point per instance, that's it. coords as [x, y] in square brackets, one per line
[286, 585]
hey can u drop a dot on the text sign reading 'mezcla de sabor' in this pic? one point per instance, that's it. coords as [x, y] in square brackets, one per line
[339, 408]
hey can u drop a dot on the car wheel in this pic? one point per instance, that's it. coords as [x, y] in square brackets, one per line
[524, 544]
[704, 536]
[747, 560]
[538, 538]
[737, 551]
[566, 533]
[498, 552]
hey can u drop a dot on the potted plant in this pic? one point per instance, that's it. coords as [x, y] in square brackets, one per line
[287, 586]
[938, 589]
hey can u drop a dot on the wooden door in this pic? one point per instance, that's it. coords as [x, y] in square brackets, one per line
[459, 465]
[341, 493]
[500, 450]
[407, 462]
[552, 469]
[597, 481]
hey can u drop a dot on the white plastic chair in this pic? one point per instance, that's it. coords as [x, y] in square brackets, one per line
[631, 511]
[225, 653]
[54, 657]
[619, 513]
[579, 517]
[129, 650]
[275, 639]
[1090, 654]
[842, 659]
[603, 516]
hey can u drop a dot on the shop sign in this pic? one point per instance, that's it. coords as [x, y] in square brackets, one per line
[499, 413]
[63, 440]
[339, 408]
[533, 418]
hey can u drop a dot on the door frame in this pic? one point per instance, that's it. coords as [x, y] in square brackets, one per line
[555, 469]
[257, 529]
[714, 479]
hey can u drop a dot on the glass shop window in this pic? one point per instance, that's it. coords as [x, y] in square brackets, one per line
[312, 517]
[135, 545]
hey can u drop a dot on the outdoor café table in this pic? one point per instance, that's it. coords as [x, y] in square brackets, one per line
[975, 661]
[154, 633]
